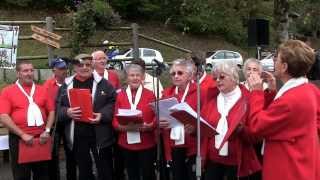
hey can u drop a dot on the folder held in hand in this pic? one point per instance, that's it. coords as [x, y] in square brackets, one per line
[82, 98]
[186, 115]
[35, 152]
[126, 116]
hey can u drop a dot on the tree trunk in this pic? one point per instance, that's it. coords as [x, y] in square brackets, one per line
[281, 20]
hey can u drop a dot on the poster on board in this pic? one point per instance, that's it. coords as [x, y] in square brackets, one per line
[8, 45]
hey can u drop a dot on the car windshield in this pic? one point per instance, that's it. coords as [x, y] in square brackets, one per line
[270, 56]
[209, 53]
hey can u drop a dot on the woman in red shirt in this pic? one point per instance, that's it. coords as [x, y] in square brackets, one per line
[181, 150]
[136, 139]
[230, 153]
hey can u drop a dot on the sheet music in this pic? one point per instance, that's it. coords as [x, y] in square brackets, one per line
[129, 112]
[185, 107]
[164, 105]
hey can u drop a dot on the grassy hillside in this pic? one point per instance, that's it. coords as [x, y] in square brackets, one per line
[153, 29]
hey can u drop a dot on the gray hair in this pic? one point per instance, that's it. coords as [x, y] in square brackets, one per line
[188, 64]
[96, 52]
[229, 68]
[133, 67]
[251, 60]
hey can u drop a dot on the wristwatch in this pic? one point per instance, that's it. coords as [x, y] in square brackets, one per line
[47, 130]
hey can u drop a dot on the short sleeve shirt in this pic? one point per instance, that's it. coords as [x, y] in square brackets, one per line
[14, 103]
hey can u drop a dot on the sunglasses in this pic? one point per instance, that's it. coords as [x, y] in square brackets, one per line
[84, 64]
[221, 77]
[174, 73]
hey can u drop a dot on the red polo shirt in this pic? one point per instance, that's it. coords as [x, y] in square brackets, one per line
[52, 88]
[15, 104]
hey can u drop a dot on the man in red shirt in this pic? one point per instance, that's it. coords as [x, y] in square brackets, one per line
[99, 63]
[59, 69]
[17, 102]
[52, 85]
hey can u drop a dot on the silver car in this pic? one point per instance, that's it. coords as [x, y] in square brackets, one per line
[221, 56]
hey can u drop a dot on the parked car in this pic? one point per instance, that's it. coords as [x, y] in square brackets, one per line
[268, 63]
[146, 54]
[223, 55]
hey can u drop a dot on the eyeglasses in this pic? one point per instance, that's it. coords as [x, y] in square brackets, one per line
[84, 64]
[100, 59]
[174, 73]
[221, 77]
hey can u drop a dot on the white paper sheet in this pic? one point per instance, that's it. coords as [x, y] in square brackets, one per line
[164, 105]
[133, 137]
[129, 112]
[4, 142]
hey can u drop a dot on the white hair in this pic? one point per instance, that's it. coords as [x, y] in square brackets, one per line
[183, 62]
[229, 68]
[96, 52]
[252, 60]
[133, 67]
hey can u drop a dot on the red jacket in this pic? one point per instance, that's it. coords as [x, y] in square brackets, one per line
[190, 140]
[289, 126]
[240, 142]
[207, 84]
[114, 79]
[147, 138]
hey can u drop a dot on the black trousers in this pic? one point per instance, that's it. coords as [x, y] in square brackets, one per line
[139, 163]
[219, 171]
[39, 170]
[71, 166]
[183, 167]
[83, 147]
[118, 163]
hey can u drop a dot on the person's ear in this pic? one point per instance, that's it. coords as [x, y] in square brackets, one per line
[284, 67]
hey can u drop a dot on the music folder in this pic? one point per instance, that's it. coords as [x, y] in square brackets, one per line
[126, 116]
[186, 115]
[35, 152]
[82, 98]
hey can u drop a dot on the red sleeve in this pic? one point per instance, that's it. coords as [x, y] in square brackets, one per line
[114, 79]
[269, 96]
[267, 122]
[5, 105]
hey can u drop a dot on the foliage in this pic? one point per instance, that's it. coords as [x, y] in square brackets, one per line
[39, 3]
[89, 16]
[308, 21]
[83, 26]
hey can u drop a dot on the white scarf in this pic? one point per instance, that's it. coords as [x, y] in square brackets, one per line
[133, 105]
[177, 132]
[34, 116]
[106, 74]
[133, 137]
[292, 83]
[225, 102]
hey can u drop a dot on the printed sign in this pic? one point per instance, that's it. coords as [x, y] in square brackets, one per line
[8, 45]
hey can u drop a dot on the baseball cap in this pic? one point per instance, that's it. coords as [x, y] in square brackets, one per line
[58, 63]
